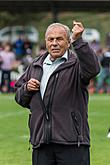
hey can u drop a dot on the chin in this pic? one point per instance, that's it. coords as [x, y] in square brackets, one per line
[56, 55]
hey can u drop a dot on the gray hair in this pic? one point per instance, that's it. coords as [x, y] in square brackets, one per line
[66, 28]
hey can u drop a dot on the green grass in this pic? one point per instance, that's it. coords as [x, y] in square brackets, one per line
[99, 119]
[14, 132]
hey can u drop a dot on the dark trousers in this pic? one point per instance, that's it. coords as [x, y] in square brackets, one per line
[5, 79]
[56, 154]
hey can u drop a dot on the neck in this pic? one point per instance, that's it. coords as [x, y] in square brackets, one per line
[52, 59]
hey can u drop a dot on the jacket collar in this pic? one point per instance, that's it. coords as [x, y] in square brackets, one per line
[71, 60]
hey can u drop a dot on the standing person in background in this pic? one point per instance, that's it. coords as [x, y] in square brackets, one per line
[1, 48]
[42, 49]
[7, 57]
[19, 48]
[54, 88]
[105, 73]
[27, 59]
[28, 46]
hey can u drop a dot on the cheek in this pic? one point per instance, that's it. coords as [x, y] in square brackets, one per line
[65, 45]
[47, 45]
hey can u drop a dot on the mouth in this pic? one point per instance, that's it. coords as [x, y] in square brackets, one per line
[55, 50]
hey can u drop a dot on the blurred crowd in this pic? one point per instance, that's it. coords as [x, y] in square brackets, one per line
[101, 84]
[16, 57]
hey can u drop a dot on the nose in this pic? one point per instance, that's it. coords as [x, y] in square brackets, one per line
[54, 42]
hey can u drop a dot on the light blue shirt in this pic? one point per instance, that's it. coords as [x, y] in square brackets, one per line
[48, 68]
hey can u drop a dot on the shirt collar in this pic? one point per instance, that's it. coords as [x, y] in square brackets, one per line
[49, 62]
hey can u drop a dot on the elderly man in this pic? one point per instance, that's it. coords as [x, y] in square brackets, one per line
[54, 88]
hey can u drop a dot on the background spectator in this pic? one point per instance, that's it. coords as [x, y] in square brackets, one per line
[103, 80]
[7, 58]
[19, 48]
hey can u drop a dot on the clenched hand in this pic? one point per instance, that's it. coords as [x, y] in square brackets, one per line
[33, 85]
[77, 30]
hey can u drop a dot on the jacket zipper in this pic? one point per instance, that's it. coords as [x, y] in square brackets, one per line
[47, 112]
[48, 119]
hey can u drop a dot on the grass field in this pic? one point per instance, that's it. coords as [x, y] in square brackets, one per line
[14, 132]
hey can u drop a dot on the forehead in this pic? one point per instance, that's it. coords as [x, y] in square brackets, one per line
[56, 31]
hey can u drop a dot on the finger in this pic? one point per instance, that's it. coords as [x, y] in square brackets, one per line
[76, 28]
[35, 81]
[33, 89]
[33, 85]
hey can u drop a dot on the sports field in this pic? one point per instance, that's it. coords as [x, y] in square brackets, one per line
[14, 132]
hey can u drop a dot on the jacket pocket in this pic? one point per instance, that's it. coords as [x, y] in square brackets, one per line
[36, 123]
[29, 126]
[29, 120]
[77, 123]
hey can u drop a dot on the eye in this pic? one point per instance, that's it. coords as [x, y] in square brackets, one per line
[59, 39]
[50, 39]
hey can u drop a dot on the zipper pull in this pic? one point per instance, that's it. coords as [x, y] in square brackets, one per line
[56, 75]
[47, 116]
[80, 138]
[78, 143]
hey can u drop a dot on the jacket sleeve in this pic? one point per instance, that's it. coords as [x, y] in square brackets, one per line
[22, 96]
[89, 65]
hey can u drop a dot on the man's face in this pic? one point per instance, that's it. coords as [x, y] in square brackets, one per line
[57, 41]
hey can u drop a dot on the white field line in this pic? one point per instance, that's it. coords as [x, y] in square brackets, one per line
[91, 97]
[21, 137]
[8, 97]
[102, 98]
[10, 114]
[24, 137]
